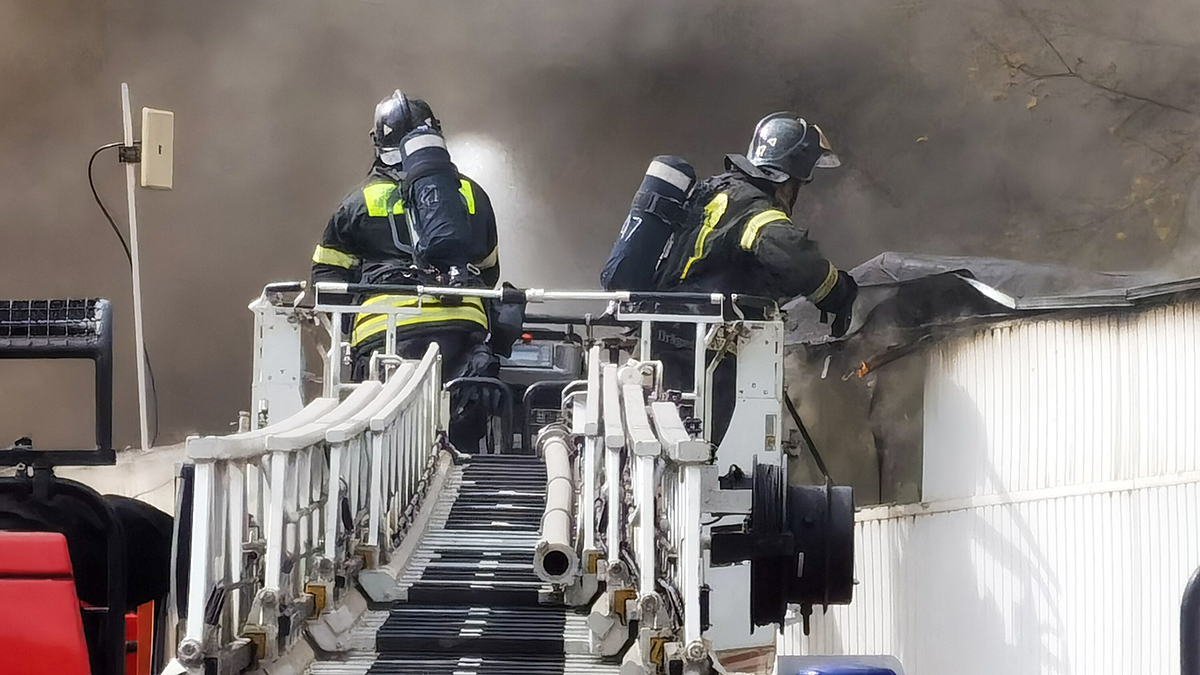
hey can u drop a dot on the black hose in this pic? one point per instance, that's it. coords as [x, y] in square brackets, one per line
[96, 196]
[128, 256]
[812, 447]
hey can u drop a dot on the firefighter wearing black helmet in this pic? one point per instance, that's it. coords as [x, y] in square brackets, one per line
[370, 239]
[738, 236]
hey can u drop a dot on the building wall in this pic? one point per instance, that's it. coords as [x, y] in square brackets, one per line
[1038, 404]
[1062, 519]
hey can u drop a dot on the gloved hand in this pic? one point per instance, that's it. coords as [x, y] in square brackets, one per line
[841, 322]
[840, 303]
[487, 399]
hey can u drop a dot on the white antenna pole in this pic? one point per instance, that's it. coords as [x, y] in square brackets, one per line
[130, 181]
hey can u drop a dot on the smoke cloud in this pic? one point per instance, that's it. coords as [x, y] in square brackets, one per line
[1036, 129]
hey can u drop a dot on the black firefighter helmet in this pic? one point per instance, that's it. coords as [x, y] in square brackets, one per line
[786, 146]
[395, 117]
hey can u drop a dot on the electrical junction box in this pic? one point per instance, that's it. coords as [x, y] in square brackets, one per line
[158, 148]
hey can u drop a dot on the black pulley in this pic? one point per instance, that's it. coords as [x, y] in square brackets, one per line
[799, 542]
[768, 573]
[821, 520]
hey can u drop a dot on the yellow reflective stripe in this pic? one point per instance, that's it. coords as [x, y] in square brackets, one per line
[368, 325]
[750, 232]
[490, 261]
[392, 301]
[712, 215]
[334, 257]
[377, 195]
[826, 286]
[412, 301]
[468, 194]
[378, 323]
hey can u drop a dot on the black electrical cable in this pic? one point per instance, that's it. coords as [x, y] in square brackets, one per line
[96, 196]
[812, 447]
[129, 257]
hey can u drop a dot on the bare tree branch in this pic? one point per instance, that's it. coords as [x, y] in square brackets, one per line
[1046, 39]
[1074, 74]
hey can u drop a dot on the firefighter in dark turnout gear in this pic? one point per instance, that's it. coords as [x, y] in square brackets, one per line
[369, 240]
[738, 237]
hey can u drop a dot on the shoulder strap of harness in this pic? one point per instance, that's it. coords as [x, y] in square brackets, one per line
[400, 178]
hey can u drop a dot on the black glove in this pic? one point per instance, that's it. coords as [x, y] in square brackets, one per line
[840, 303]
[841, 322]
[507, 321]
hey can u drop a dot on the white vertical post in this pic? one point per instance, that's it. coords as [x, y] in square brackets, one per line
[614, 444]
[130, 179]
[236, 518]
[377, 478]
[333, 374]
[200, 566]
[276, 527]
[699, 385]
[390, 337]
[333, 501]
[691, 563]
[587, 508]
[647, 553]
[612, 474]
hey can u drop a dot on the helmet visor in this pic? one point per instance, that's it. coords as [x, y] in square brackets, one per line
[827, 160]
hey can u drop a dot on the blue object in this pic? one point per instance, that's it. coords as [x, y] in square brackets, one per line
[832, 669]
[838, 665]
[657, 211]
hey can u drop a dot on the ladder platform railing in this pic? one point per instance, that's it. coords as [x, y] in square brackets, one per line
[285, 516]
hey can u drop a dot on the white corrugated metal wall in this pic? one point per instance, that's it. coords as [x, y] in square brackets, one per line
[1062, 514]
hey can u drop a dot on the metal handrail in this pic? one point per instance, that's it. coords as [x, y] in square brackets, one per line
[403, 440]
[252, 444]
[652, 469]
[314, 432]
[361, 420]
[278, 512]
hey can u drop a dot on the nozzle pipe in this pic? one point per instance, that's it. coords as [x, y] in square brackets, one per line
[555, 560]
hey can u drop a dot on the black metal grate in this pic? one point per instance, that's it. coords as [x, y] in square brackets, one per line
[500, 495]
[442, 664]
[473, 630]
[48, 318]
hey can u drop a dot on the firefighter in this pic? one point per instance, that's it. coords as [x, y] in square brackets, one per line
[737, 236]
[370, 239]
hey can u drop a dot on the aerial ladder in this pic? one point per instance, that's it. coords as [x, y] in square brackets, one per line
[340, 533]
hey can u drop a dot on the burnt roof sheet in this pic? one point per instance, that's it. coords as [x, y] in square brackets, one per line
[909, 296]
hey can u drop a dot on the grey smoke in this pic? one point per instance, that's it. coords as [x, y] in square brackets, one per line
[1047, 131]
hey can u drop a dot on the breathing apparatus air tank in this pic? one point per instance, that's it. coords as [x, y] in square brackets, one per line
[657, 212]
[435, 209]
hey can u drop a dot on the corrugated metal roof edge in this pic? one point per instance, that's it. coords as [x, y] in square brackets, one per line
[1013, 309]
[1100, 300]
[1017, 310]
[1042, 307]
